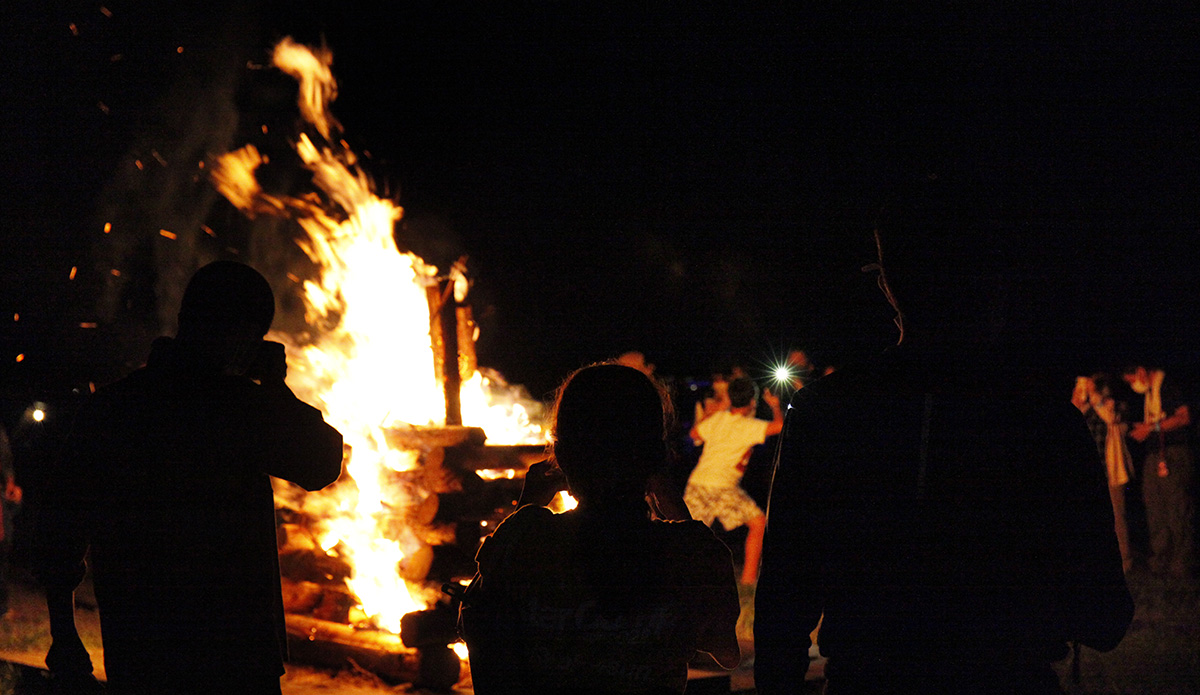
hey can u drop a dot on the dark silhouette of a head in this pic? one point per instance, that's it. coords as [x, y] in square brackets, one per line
[227, 293]
[742, 392]
[609, 432]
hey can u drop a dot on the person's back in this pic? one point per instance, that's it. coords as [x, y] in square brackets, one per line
[165, 480]
[950, 527]
[600, 599]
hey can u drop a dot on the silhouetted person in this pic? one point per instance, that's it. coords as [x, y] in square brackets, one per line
[602, 598]
[164, 485]
[947, 518]
[1161, 427]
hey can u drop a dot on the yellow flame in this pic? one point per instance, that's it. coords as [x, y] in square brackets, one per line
[367, 358]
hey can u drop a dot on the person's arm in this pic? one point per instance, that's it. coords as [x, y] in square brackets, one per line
[543, 481]
[289, 437]
[775, 426]
[1178, 419]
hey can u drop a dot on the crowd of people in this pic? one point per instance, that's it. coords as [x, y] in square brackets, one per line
[945, 524]
[1144, 440]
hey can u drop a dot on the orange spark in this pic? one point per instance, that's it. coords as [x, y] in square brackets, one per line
[74, 270]
[107, 227]
[88, 324]
[116, 273]
[21, 357]
[169, 235]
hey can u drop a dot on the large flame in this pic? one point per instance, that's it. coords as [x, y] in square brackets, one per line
[367, 359]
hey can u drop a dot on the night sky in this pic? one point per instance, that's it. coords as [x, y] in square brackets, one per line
[698, 184]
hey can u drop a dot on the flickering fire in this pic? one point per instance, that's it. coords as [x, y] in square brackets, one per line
[367, 360]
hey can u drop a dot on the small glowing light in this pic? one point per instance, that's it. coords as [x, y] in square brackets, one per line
[179, 49]
[782, 373]
[167, 234]
[138, 163]
[16, 317]
[39, 415]
[74, 270]
[208, 230]
[74, 29]
[107, 227]
[106, 12]
[115, 273]
[87, 324]
[21, 357]
[483, 524]
[460, 649]
[264, 129]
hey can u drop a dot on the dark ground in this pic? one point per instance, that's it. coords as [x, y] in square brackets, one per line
[1159, 656]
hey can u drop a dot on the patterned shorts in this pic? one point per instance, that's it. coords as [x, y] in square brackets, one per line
[731, 505]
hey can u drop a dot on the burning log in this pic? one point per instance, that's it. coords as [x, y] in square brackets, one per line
[336, 645]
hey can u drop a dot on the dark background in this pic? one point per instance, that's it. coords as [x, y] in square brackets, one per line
[698, 184]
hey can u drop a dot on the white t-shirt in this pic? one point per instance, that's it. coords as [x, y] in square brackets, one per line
[727, 437]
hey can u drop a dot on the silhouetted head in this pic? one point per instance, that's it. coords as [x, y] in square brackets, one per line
[742, 392]
[227, 309]
[948, 262]
[609, 433]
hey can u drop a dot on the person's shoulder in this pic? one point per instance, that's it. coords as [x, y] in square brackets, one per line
[515, 527]
[526, 517]
[691, 535]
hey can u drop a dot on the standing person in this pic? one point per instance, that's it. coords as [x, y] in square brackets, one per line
[713, 489]
[599, 599]
[1093, 397]
[1167, 470]
[944, 515]
[163, 484]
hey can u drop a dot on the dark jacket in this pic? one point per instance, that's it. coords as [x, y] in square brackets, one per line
[165, 479]
[939, 517]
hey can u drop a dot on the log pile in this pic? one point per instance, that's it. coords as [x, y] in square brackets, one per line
[445, 507]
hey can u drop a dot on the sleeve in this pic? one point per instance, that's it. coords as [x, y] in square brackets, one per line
[290, 438]
[757, 431]
[788, 600]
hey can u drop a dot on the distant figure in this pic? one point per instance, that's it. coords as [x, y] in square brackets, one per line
[1162, 429]
[713, 489]
[947, 517]
[1093, 397]
[163, 485]
[600, 599]
[10, 501]
[636, 360]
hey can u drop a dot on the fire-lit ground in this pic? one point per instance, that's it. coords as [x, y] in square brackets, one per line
[1159, 656]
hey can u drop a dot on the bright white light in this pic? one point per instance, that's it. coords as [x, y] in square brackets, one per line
[39, 415]
[783, 373]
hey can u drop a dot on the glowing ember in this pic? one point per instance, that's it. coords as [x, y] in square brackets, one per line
[367, 359]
